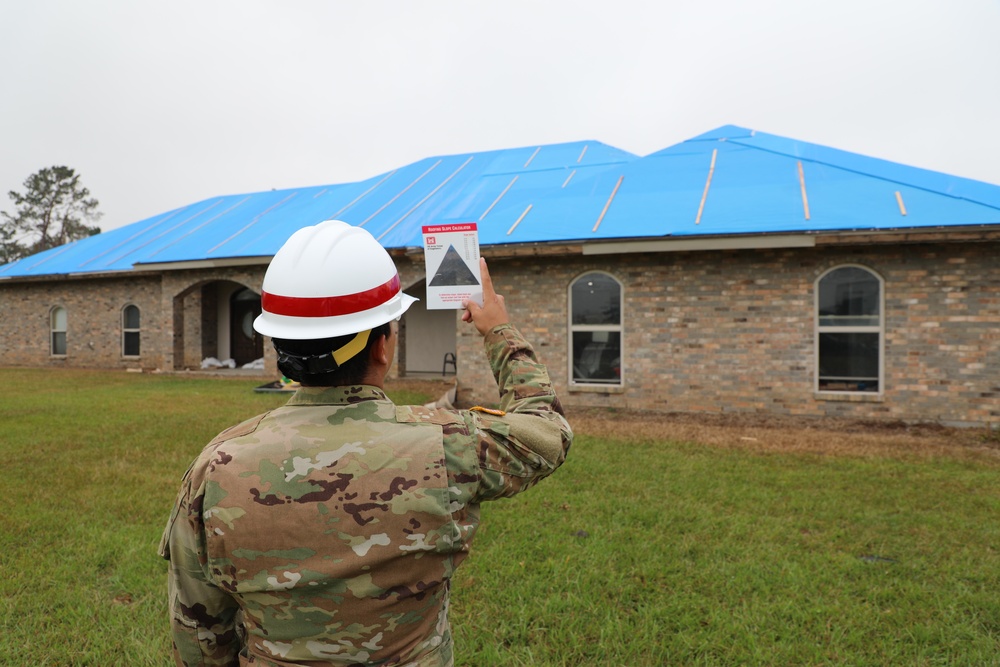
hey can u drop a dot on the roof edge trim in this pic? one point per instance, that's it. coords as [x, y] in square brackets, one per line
[705, 243]
[202, 263]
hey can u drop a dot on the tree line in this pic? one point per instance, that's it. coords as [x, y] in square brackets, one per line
[53, 209]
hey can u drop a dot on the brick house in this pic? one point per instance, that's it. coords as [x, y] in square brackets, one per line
[737, 271]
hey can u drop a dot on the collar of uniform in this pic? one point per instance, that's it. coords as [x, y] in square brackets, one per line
[337, 395]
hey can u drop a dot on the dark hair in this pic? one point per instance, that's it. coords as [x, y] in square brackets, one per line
[305, 361]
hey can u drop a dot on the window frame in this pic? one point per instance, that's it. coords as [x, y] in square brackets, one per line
[127, 330]
[53, 331]
[819, 329]
[611, 328]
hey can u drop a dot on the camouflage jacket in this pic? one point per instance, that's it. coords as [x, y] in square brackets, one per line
[326, 532]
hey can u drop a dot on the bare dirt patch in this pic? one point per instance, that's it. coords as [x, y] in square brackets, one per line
[772, 433]
[776, 434]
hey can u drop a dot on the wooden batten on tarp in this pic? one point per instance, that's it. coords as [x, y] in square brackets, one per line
[607, 204]
[514, 226]
[499, 197]
[802, 186]
[708, 183]
[899, 200]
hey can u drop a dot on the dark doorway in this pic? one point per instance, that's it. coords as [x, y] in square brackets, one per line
[246, 344]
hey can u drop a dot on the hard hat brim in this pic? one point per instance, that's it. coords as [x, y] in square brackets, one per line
[312, 328]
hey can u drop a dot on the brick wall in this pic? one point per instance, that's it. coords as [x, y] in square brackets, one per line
[704, 331]
[177, 308]
[734, 331]
[173, 336]
[93, 327]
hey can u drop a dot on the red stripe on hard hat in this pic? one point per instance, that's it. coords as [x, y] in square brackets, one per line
[329, 306]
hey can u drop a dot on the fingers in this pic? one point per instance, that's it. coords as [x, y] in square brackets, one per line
[493, 312]
[467, 313]
[484, 274]
[470, 306]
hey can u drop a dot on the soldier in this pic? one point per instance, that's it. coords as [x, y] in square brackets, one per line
[326, 532]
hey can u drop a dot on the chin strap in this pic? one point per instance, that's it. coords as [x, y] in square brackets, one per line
[329, 362]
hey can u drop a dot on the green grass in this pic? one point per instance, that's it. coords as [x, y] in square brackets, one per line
[668, 554]
[635, 553]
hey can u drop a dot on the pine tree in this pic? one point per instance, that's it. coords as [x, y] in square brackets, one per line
[54, 209]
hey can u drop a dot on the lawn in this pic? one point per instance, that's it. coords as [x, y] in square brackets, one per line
[653, 545]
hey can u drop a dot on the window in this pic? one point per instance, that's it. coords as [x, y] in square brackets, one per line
[130, 331]
[595, 305]
[57, 328]
[849, 330]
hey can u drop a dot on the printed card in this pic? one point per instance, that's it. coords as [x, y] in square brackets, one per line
[451, 259]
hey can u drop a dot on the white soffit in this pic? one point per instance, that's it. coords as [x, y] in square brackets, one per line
[686, 245]
[202, 264]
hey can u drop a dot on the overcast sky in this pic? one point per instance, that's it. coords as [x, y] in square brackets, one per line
[162, 104]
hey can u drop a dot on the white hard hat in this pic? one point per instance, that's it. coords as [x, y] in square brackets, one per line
[329, 280]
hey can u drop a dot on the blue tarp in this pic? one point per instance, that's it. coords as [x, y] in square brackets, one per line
[728, 181]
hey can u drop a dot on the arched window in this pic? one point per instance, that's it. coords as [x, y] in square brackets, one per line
[595, 306]
[130, 331]
[57, 329]
[849, 330]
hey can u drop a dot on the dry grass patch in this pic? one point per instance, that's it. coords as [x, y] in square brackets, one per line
[777, 434]
[772, 433]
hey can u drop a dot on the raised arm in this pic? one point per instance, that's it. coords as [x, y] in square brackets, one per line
[528, 437]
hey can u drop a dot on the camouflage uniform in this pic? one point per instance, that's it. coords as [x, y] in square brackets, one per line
[327, 531]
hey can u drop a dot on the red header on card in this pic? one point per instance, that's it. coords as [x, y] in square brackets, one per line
[441, 229]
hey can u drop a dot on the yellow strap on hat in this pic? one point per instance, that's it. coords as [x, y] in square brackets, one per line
[352, 348]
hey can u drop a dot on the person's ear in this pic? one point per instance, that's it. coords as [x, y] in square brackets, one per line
[380, 351]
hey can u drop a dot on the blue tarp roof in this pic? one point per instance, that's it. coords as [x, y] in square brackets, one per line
[727, 181]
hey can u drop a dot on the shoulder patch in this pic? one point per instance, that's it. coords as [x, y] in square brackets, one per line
[489, 411]
[247, 427]
[417, 414]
